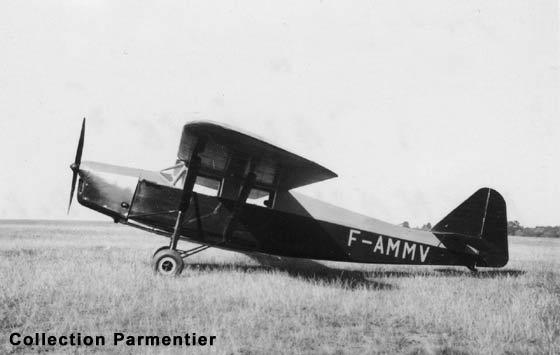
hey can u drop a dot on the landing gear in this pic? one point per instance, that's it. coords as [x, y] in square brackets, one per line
[167, 262]
[171, 262]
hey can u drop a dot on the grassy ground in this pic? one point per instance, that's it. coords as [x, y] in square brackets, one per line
[95, 279]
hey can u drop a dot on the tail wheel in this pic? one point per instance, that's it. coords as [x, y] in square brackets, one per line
[167, 262]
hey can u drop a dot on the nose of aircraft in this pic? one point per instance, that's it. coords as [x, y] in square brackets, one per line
[106, 188]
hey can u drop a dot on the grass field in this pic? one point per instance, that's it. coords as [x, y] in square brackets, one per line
[96, 279]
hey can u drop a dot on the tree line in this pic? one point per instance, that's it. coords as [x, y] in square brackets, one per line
[513, 228]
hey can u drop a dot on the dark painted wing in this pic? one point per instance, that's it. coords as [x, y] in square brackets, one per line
[228, 152]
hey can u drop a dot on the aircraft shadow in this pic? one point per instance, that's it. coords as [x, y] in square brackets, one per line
[313, 271]
[447, 272]
[304, 269]
[481, 273]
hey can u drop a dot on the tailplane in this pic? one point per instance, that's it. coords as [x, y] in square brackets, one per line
[478, 227]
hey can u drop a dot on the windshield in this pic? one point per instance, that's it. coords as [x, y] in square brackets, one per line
[205, 185]
[175, 174]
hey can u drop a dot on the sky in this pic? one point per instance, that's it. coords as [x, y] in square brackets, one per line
[414, 104]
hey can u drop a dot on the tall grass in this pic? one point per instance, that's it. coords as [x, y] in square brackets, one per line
[61, 279]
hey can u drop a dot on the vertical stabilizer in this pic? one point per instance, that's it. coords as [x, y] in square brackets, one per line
[479, 223]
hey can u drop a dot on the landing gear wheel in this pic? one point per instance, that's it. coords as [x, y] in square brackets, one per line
[168, 262]
[160, 249]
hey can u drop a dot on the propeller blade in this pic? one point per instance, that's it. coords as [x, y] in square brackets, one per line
[78, 159]
[76, 166]
[74, 178]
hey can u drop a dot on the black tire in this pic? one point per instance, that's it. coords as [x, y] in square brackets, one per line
[168, 262]
[160, 249]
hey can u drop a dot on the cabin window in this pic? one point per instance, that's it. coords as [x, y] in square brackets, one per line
[207, 186]
[260, 197]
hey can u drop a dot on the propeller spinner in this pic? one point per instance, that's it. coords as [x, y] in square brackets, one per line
[76, 165]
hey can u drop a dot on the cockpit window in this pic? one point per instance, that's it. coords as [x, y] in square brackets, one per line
[176, 175]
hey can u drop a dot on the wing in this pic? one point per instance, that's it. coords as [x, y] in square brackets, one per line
[229, 152]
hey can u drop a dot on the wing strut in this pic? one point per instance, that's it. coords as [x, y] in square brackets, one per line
[193, 168]
[248, 184]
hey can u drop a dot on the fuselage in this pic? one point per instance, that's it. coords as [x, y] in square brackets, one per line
[294, 225]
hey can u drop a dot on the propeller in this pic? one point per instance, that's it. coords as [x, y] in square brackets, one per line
[76, 165]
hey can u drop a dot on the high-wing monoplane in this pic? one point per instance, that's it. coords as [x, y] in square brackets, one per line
[231, 190]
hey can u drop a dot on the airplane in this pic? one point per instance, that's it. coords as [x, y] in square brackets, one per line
[231, 190]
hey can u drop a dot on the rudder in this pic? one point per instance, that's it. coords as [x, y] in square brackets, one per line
[479, 223]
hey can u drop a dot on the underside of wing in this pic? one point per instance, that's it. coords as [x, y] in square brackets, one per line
[227, 152]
